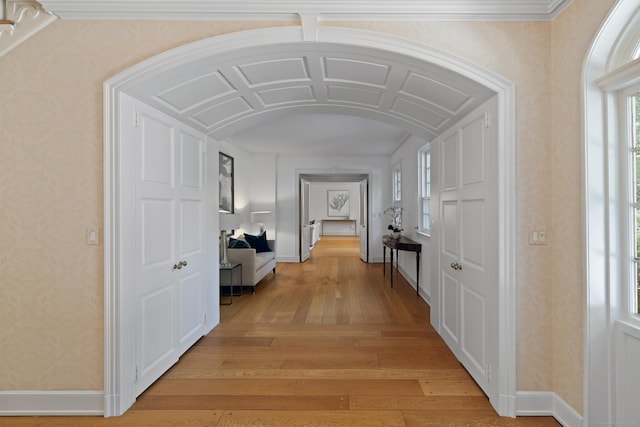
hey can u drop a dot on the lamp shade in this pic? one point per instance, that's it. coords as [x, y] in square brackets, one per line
[260, 216]
[229, 221]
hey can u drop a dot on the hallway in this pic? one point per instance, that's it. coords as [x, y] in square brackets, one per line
[323, 343]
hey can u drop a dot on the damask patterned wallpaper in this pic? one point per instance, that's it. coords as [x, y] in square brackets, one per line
[51, 300]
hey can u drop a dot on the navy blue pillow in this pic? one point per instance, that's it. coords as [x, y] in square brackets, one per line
[259, 242]
[237, 243]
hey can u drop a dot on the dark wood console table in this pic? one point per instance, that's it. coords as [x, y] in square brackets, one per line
[401, 244]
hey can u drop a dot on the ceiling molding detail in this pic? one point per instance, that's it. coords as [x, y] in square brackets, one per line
[26, 18]
[410, 10]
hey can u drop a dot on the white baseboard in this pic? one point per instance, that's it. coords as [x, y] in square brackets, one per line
[70, 403]
[543, 403]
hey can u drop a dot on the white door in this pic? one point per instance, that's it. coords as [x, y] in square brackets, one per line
[305, 237]
[468, 248]
[364, 216]
[169, 244]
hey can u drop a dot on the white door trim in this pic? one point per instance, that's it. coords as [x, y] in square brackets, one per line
[119, 345]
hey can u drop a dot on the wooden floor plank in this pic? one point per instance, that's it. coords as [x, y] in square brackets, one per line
[323, 343]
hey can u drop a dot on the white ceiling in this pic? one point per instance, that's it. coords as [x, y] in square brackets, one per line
[325, 97]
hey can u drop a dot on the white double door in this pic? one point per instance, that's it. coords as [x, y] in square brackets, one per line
[169, 255]
[465, 179]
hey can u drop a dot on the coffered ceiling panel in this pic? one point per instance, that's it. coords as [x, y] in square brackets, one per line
[433, 92]
[286, 95]
[348, 70]
[353, 95]
[220, 113]
[196, 91]
[274, 71]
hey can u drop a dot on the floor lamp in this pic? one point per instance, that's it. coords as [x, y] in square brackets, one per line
[228, 222]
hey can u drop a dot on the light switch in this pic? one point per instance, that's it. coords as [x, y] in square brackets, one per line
[537, 235]
[93, 236]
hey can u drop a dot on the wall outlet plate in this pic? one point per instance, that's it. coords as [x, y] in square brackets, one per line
[537, 235]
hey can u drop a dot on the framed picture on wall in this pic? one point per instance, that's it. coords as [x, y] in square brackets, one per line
[225, 182]
[338, 203]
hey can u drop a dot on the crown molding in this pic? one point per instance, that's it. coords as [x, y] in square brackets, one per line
[409, 10]
[23, 19]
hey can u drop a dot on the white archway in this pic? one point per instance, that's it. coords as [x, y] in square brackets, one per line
[119, 340]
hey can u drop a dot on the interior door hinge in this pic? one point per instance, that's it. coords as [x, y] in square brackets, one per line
[136, 118]
[204, 318]
[488, 373]
[137, 375]
[487, 119]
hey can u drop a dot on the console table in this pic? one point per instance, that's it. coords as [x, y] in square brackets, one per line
[339, 220]
[401, 244]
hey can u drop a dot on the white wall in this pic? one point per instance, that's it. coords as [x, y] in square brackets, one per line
[318, 204]
[406, 154]
[262, 191]
[289, 168]
[254, 186]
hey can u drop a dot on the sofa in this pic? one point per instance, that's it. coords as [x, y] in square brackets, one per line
[257, 260]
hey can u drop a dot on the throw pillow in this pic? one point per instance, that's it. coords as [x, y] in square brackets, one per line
[238, 243]
[259, 242]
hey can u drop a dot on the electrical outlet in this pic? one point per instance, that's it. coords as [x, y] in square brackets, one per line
[537, 235]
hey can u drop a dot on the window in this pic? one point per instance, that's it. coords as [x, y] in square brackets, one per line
[632, 108]
[424, 172]
[397, 183]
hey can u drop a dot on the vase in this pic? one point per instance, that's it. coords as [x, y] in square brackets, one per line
[395, 234]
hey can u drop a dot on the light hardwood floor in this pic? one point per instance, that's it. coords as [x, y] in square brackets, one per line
[324, 343]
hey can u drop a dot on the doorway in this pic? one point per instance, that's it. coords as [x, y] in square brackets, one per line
[119, 340]
[333, 205]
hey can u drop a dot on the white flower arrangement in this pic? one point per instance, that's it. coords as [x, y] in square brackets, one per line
[395, 213]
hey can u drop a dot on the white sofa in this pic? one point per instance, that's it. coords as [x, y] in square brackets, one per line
[255, 266]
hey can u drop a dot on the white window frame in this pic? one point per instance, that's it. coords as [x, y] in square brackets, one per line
[397, 183]
[629, 304]
[424, 189]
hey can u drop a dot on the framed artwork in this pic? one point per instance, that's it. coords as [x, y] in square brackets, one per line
[225, 182]
[338, 203]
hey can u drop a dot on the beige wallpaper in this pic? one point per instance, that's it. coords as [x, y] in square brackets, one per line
[572, 34]
[51, 298]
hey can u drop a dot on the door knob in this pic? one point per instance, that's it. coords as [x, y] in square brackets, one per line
[456, 266]
[179, 265]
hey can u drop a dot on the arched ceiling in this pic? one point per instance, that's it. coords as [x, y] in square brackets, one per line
[326, 97]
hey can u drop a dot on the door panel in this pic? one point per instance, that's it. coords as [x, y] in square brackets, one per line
[450, 162]
[450, 228]
[473, 328]
[467, 233]
[473, 225]
[191, 287]
[450, 308]
[305, 236]
[157, 151]
[364, 219]
[157, 232]
[191, 290]
[169, 233]
[472, 153]
[156, 351]
[191, 162]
